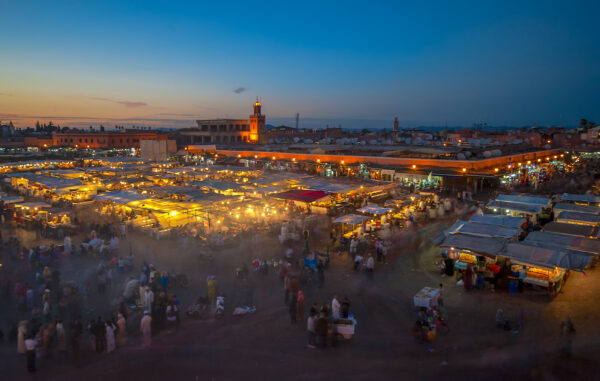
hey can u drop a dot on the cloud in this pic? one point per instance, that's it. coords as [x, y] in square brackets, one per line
[240, 90]
[8, 116]
[6, 94]
[124, 103]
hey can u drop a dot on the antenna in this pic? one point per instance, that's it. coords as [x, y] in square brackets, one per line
[297, 120]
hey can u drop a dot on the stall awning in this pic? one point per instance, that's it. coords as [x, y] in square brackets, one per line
[587, 245]
[499, 220]
[479, 245]
[350, 219]
[578, 218]
[12, 199]
[374, 209]
[572, 229]
[33, 205]
[581, 198]
[483, 230]
[549, 258]
[307, 196]
[524, 199]
[216, 185]
[566, 207]
[515, 207]
[121, 197]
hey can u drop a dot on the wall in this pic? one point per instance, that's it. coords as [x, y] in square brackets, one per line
[470, 165]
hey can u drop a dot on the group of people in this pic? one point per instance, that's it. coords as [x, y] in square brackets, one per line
[319, 319]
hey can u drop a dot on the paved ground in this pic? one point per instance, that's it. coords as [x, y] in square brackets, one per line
[266, 346]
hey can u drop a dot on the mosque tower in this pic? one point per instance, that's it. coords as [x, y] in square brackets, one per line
[258, 132]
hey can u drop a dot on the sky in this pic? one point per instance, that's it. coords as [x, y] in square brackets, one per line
[354, 63]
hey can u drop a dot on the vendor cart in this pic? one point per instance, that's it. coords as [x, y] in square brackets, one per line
[343, 327]
[427, 297]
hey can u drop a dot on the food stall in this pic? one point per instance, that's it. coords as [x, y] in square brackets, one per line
[544, 267]
[351, 224]
[586, 231]
[577, 218]
[376, 211]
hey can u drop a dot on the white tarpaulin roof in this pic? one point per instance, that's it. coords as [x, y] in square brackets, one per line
[374, 209]
[566, 207]
[12, 199]
[580, 197]
[578, 218]
[121, 197]
[524, 199]
[587, 245]
[498, 220]
[351, 219]
[516, 207]
[549, 258]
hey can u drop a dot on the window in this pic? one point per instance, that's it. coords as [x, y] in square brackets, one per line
[79, 140]
[71, 140]
[91, 140]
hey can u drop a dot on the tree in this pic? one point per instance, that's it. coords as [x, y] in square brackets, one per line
[37, 125]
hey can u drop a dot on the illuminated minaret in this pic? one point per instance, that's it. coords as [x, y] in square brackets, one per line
[396, 124]
[258, 133]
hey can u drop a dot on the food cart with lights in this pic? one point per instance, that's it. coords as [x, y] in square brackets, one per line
[32, 212]
[544, 267]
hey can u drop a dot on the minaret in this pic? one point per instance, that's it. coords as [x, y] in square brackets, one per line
[396, 124]
[258, 133]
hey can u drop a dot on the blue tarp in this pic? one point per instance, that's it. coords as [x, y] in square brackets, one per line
[549, 258]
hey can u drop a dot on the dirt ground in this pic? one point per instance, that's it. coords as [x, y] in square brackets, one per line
[265, 346]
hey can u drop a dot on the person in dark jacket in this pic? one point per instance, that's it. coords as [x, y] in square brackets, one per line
[321, 331]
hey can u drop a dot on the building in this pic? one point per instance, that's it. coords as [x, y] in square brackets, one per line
[214, 131]
[226, 131]
[104, 139]
[258, 132]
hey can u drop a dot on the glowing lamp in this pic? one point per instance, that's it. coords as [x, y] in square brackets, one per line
[318, 160]
[414, 166]
[464, 169]
[495, 169]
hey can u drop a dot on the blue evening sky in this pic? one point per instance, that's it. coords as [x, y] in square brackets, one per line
[355, 63]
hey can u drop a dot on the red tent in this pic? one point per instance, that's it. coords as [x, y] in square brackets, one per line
[307, 196]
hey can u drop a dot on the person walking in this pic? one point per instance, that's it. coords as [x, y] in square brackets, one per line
[146, 328]
[370, 264]
[310, 326]
[21, 337]
[321, 274]
[121, 330]
[321, 331]
[300, 306]
[60, 336]
[171, 315]
[345, 307]
[77, 328]
[211, 289]
[148, 299]
[110, 336]
[335, 307]
[292, 307]
[30, 345]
